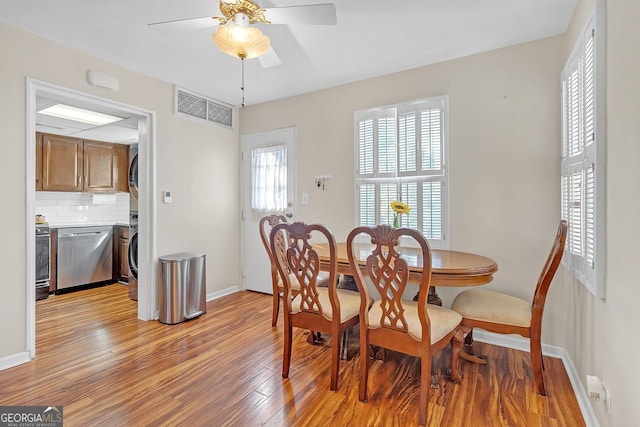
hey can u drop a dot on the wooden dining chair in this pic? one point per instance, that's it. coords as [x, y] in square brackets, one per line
[506, 314]
[318, 308]
[282, 240]
[411, 327]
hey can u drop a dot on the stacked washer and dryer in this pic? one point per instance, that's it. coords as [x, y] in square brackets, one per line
[133, 222]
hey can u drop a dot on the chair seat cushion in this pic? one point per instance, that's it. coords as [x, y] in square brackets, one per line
[349, 304]
[442, 319]
[495, 307]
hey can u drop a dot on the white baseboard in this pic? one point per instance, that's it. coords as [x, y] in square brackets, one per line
[14, 360]
[519, 343]
[222, 293]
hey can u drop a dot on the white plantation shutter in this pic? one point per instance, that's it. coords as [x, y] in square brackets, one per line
[400, 155]
[386, 145]
[589, 216]
[432, 204]
[409, 195]
[582, 162]
[407, 143]
[575, 214]
[367, 193]
[388, 193]
[365, 143]
[431, 139]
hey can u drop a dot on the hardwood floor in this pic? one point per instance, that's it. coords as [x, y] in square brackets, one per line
[224, 369]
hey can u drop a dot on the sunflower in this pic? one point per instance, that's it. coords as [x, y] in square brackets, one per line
[399, 207]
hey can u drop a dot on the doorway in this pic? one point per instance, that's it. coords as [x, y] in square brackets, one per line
[268, 186]
[146, 140]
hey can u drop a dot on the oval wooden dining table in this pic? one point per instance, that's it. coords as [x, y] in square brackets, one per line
[448, 268]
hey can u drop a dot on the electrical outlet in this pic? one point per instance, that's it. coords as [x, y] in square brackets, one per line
[607, 398]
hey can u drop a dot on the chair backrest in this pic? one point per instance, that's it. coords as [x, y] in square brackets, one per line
[546, 276]
[300, 262]
[266, 225]
[389, 273]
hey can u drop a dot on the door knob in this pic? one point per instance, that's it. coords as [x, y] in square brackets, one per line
[289, 215]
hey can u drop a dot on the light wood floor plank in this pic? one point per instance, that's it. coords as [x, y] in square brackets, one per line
[224, 369]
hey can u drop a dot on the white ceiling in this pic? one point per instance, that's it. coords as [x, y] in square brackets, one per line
[372, 38]
[124, 131]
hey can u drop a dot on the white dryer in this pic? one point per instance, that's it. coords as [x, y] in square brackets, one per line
[132, 257]
[133, 179]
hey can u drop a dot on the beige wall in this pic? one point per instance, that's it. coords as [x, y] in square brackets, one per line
[504, 128]
[505, 136]
[504, 140]
[198, 162]
[599, 333]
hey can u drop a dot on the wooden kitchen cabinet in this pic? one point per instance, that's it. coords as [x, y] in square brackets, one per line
[100, 167]
[38, 161]
[62, 163]
[123, 252]
[76, 165]
[122, 167]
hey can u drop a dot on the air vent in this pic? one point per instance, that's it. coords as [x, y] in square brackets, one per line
[200, 107]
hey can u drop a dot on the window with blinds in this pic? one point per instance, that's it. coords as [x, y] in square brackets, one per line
[582, 162]
[401, 155]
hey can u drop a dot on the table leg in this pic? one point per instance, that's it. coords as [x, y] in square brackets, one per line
[344, 345]
[348, 282]
[314, 337]
[432, 297]
[434, 377]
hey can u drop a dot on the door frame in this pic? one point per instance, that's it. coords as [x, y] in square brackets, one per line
[147, 306]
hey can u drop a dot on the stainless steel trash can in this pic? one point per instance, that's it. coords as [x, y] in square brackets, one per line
[182, 287]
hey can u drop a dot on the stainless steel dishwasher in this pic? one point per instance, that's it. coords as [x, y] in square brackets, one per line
[85, 255]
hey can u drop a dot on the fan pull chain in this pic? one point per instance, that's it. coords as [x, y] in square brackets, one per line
[242, 86]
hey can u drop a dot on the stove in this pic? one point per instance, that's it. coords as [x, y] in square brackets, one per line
[43, 257]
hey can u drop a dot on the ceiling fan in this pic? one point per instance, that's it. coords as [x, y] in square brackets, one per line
[235, 35]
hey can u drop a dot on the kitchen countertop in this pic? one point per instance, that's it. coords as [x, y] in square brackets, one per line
[120, 224]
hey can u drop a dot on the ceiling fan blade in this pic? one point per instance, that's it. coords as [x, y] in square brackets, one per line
[269, 59]
[177, 25]
[313, 14]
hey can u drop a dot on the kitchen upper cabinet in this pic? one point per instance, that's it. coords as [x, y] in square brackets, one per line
[73, 164]
[122, 165]
[100, 166]
[38, 161]
[62, 159]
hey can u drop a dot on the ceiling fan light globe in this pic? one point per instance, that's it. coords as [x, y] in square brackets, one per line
[241, 42]
[239, 34]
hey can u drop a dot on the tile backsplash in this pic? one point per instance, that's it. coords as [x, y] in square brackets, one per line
[61, 208]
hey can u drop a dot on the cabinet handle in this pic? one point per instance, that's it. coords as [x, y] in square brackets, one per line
[78, 180]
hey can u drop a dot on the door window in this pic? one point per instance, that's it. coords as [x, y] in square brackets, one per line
[268, 180]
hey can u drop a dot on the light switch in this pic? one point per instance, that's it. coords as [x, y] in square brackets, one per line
[305, 198]
[166, 196]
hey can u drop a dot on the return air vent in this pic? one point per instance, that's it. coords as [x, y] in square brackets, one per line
[200, 107]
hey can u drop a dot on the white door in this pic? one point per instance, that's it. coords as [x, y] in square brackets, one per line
[268, 186]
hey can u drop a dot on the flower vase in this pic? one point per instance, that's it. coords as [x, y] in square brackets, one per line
[395, 220]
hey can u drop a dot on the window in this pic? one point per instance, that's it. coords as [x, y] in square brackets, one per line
[268, 180]
[582, 163]
[401, 154]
